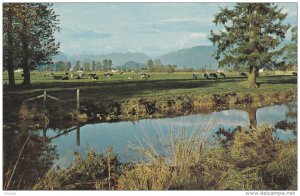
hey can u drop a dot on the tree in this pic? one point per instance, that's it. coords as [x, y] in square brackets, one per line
[86, 66]
[157, 62]
[170, 69]
[250, 36]
[109, 64]
[77, 66]
[105, 65]
[99, 66]
[8, 40]
[150, 65]
[60, 66]
[290, 56]
[68, 66]
[94, 66]
[32, 34]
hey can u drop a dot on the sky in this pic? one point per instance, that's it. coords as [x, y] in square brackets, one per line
[152, 28]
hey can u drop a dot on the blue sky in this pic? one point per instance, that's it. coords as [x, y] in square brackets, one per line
[152, 28]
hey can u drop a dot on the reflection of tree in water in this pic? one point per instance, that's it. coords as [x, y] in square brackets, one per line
[290, 123]
[226, 136]
[35, 160]
[252, 117]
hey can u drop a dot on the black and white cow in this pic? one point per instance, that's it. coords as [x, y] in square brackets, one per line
[108, 75]
[222, 75]
[213, 75]
[196, 76]
[243, 74]
[145, 76]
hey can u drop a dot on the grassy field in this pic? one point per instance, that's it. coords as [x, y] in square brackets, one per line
[162, 87]
[118, 88]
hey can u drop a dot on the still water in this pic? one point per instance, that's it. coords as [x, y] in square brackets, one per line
[39, 156]
[122, 135]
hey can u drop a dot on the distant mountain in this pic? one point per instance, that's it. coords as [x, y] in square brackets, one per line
[196, 57]
[60, 57]
[118, 59]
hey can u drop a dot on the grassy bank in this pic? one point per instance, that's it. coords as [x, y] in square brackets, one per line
[248, 160]
[163, 94]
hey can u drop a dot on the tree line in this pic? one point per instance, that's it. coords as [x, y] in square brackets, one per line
[105, 65]
[157, 66]
[249, 35]
[28, 37]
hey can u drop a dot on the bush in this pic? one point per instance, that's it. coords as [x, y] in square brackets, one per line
[242, 160]
[96, 171]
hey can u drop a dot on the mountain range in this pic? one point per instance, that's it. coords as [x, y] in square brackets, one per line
[195, 57]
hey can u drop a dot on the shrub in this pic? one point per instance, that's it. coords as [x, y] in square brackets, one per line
[96, 171]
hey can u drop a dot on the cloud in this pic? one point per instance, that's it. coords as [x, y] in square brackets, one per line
[150, 30]
[198, 35]
[183, 20]
[84, 33]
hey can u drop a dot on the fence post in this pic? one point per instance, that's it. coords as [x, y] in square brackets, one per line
[45, 96]
[78, 102]
[78, 136]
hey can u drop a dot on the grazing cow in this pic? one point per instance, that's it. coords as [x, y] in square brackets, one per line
[196, 76]
[131, 78]
[93, 76]
[108, 75]
[223, 75]
[294, 73]
[145, 76]
[243, 74]
[206, 75]
[56, 77]
[65, 78]
[213, 75]
[80, 76]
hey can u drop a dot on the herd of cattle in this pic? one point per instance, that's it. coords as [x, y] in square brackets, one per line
[215, 75]
[93, 76]
[144, 76]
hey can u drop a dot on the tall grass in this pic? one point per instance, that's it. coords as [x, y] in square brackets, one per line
[167, 163]
[187, 160]
[11, 171]
[254, 160]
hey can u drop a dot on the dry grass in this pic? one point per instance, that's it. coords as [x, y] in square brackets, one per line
[167, 164]
[182, 160]
[10, 174]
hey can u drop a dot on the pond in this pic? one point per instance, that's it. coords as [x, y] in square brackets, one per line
[51, 148]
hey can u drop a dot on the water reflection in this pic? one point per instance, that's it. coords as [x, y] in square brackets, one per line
[120, 135]
[55, 147]
[252, 117]
[30, 164]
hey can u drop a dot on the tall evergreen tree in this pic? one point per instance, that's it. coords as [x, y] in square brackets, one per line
[250, 36]
[290, 56]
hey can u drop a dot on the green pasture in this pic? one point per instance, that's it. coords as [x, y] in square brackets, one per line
[163, 85]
